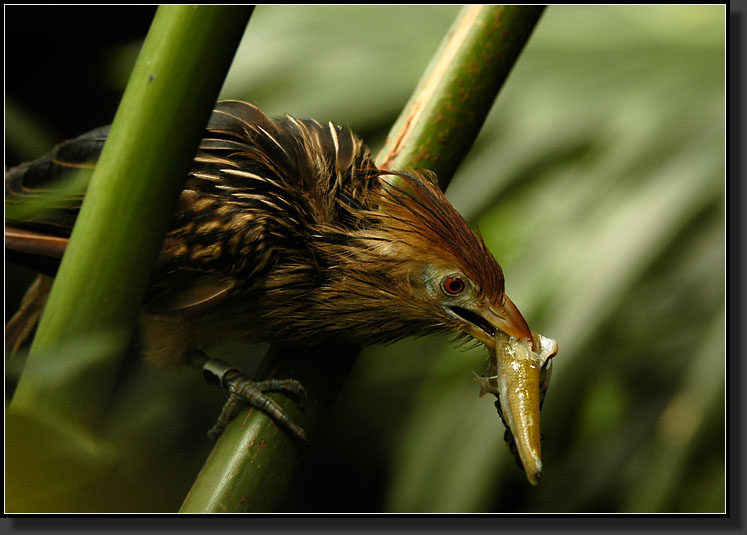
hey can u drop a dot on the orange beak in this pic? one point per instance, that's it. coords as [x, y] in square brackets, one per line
[510, 321]
[485, 321]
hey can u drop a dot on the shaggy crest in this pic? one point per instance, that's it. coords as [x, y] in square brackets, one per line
[413, 209]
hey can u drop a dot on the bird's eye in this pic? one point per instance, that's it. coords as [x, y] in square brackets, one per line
[453, 285]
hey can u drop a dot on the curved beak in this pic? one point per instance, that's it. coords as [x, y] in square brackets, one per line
[515, 374]
[509, 320]
[485, 321]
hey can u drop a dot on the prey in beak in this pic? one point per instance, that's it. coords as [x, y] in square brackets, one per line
[519, 378]
[518, 375]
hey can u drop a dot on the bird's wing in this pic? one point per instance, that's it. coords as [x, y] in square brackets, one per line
[44, 196]
[42, 201]
[256, 186]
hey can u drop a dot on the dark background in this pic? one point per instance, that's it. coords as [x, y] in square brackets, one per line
[58, 65]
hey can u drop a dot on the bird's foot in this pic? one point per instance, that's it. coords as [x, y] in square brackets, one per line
[243, 391]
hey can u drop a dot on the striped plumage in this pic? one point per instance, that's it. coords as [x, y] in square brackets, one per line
[286, 230]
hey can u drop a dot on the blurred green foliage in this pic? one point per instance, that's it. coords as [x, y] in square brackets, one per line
[598, 183]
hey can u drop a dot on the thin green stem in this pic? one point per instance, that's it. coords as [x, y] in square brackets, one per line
[445, 113]
[129, 203]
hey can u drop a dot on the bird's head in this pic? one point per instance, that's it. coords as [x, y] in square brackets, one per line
[417, 262]
[471, 309]
[412, 265]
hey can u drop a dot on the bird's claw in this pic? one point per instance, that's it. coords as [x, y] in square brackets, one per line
[243, 387]
[243, 391]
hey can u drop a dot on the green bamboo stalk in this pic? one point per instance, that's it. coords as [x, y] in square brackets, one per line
[253, 462]
[453, 97]
[128, 205]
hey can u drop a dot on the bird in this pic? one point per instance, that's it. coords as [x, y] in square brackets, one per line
[285, 230]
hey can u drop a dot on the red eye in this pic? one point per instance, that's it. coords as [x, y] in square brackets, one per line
[453, 285]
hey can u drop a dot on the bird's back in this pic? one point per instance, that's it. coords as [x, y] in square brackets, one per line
[256, 185]
[260, 185]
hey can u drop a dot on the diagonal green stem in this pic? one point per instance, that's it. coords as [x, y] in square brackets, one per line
[128, 205]
[254, 462]
[453, 97]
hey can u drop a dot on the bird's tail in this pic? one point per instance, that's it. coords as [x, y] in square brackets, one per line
[20, 327]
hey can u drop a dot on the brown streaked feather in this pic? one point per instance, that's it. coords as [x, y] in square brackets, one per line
[414, 205]
[248, 167]
[59, 176]
[22, 324]
[34, 243]
[201, 294]
[40, 252]
[286, 229]
[257, 187]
